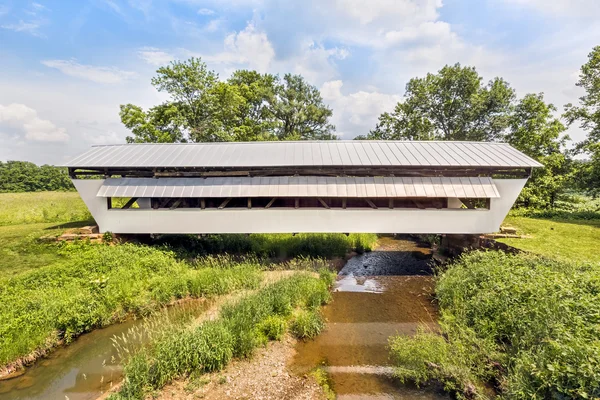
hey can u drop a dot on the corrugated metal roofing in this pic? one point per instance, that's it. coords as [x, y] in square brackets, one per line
[305, 153]
[300, 186]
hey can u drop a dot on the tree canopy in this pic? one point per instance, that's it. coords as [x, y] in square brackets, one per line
[23, 176]
[587, 113]
[456, 104]
[249, 106]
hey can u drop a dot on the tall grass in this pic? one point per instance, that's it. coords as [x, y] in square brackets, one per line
[273, 245]
[94, 285]
[29, 208]
[529, 325]
[236, 333]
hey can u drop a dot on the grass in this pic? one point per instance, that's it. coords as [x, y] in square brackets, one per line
[31, 208]
[272, 245]
[211, 345]
[527, 325]
[94, 285]
[577, 240]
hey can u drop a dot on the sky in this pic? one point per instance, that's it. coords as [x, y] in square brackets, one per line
[67, 65]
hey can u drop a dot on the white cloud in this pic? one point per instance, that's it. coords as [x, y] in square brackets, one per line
[248, 47]
[154, 56]
[356, 113]
[315, 62]
[114, 6]
[26, 119]
[378, 11]
[205, 11]
[30, 27]
[92, 73]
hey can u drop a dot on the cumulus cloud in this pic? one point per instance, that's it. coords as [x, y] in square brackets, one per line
[26, 120]
[249, 47]
[92, 73]
[154, 56]
[356, 113]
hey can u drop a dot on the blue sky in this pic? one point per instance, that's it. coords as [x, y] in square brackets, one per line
[67, 65]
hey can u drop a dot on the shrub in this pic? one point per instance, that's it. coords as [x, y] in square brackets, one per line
[307, 324]
[273, 327]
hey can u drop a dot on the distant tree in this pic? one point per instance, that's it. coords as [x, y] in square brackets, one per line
[249, 106]
[22, 176]
[587, 113]
[453, 104]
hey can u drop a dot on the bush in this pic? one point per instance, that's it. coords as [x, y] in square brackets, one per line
[307, 324]
[241, 327]
[525, 323]
[273, 327]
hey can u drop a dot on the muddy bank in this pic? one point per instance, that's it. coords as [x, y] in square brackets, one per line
[264, 376]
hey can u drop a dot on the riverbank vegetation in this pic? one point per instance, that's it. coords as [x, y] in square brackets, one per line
[242, 326]
[271, 245]
[95, 285]
[526, 325]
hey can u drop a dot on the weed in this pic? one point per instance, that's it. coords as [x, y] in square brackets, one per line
[307, 324]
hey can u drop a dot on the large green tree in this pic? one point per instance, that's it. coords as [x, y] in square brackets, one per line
[587, 113]
[456, 104]
[249, 106]
[453, 104]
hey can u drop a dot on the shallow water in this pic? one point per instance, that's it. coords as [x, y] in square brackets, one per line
[89, 366]
[377, 295]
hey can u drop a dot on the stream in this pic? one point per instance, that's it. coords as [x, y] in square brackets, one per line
[377, 295]
[89, 366]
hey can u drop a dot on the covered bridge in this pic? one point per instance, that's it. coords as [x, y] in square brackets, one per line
[308, 186]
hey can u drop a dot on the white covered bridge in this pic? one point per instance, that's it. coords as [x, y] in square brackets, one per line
[324, 186]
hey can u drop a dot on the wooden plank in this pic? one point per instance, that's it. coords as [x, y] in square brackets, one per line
[271, 202]
[176, 204]
[129, 203]
[371, 203]
[224, 203]
[322, 202]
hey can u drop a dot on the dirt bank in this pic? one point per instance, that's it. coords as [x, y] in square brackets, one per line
[264, 376]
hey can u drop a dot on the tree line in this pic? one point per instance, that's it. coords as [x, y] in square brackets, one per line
[23, 176]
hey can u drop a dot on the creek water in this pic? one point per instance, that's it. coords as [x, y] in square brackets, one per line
[90, 365]
[377, 295]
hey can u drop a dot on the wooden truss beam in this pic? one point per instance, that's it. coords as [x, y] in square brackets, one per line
[129, 203]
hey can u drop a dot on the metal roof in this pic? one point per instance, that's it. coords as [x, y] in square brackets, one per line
[299, 186]
[305, 153]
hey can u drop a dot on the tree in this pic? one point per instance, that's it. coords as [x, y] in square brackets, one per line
[300, 111]
[535, 131]
[249, 106]
[450, 105]
[454, 105]
[588, 114]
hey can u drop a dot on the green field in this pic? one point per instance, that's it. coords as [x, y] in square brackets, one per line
[38, 207]
[577, 240]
